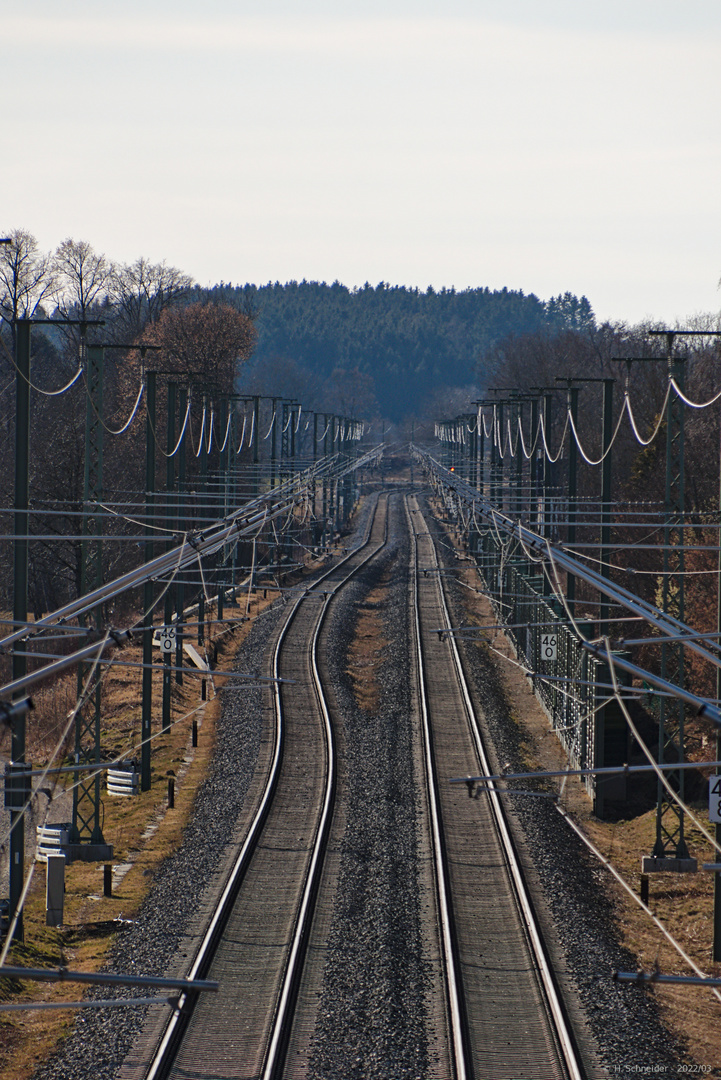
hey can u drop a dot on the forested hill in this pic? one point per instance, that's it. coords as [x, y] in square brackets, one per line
[409, 342]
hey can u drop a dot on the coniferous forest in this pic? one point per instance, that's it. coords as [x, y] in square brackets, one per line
[394, 347]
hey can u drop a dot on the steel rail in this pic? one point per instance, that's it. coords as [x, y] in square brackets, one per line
[557, 1013]
[171, 1039]
[286, 1002]
[458, 1035]
[274, 1061]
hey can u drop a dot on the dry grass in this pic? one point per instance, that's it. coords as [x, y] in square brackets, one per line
[367, 649]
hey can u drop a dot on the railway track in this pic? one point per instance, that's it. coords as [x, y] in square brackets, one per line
[504, 1015]
[492, 1006]
[255, 943]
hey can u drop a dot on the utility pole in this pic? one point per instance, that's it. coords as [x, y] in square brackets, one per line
[670, 852]
[183, 400]
[499, 471]
[147, 623]
[169, 489]
[20, 612]
[538, 476]
[226, 423]
[544, 499]
[572, 404]
[481, 449]
[86, 828]
[604, 555]
[606, 514]
[19, 792]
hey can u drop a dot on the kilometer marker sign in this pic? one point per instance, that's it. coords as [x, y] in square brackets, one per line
[548, 647]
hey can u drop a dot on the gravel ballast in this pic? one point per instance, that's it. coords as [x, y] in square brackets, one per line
[372, 1018]
[373, 1010]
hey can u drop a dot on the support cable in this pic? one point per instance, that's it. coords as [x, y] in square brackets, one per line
[659, 423]
[242, 434]
[637, 899]
[128, 422]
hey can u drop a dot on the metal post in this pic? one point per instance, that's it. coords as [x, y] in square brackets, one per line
[533, 515]
[670, 851]
[547, 482]
[572, 493]
[500, 478]
[202, 503]
[182, 515]
[331, 482]
[493, 471]
[20, 597]
[472, 423]
[203, 481]
[547, 468]
[599, 804]
[346, 447]
[86, 821]
[717, 830]
[223, 468]
[314, 508]
[147, 623]
[670, 841]
[256, 446]
[481, 451]
[519, 459]
[604, 556]
[274, 427]
[324, 499]
[169, 488]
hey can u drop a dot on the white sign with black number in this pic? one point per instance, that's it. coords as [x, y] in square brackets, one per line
[548, 647]
[714, 799]
[167, 638]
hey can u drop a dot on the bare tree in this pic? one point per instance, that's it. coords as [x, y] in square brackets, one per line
[140, 291]
[82, 278]
[26, 277]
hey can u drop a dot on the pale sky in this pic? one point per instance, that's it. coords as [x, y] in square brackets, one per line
[544, 145]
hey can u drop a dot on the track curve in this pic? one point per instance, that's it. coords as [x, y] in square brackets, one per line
[254, 945]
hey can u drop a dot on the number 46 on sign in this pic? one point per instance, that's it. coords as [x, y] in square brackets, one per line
[548, 647]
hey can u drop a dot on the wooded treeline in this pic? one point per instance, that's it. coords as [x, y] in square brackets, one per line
[400, 345]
